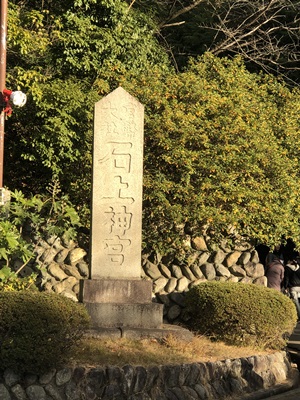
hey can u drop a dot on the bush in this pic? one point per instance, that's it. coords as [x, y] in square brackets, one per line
[242, 314]
[38, 330]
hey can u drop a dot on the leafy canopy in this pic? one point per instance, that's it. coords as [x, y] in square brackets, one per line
[220, 150]
[220, 143]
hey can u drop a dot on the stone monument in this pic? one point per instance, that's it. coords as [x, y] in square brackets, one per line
[116, 296]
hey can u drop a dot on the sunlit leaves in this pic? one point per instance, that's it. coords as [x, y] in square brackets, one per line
[216, 142]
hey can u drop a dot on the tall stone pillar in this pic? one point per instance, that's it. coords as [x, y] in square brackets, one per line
[115, 295]
[117, 187]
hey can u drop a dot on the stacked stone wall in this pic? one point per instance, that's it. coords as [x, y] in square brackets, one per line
[64, 264]
[233, 379]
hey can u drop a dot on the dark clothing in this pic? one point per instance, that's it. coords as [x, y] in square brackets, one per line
[275, 274]
[291, 278]
[292, 283]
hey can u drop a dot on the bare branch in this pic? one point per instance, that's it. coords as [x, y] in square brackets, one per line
[179, 12]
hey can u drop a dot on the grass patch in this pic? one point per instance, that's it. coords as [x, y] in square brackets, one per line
[149, 352]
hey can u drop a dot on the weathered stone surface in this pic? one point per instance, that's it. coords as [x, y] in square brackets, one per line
[237, 270]
[30, 379]
[192, 258]
[71, 270]
[55, 270]
[4, 393]
[221, 278]
[235, 378]
[176, 271]
[197, 282]
[174, 312]
[117, 187]
[35, 392]
[18, 392]
[196, 271]
[171, 285]
[47, 377]
[261, 281]
[217, 257]
[232, 258]
[68, 243]
[75, 255]
[61, 256]
[245, 279]
[178, 298]
[48, 255]
[118, 291]
[186, 271]
[70, 282]
[182, 284]
[53, 392]
[254, 257]
[152, 270]
[55, 242]
[198, 243]
[10, 377]
[164, 270]
[159, 284]
[203, 258]
[222, 271]
[244, 258]
[63, 376]
[254, 270]
[164, 299]
[201, 391]
[208, 271]
[233, 279]
[58, 287]
[83, 269]
[141, 379]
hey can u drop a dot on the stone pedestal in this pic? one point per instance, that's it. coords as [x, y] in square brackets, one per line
[118, 303]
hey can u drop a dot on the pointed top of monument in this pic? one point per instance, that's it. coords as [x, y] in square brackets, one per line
[120, 95]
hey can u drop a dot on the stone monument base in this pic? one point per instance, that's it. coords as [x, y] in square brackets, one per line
[123, 308]
[125, 315]
[119, 303]
[163, 332]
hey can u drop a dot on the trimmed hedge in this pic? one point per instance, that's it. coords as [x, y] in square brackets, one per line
[38, 330]
[242, 314]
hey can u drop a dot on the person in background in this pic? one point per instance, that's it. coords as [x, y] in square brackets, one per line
[275, 273]
[292, 282]
[271, 256]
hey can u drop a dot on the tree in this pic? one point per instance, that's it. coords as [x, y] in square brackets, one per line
[265, 33]
[55, 53]
[217, 153]
[217, 138]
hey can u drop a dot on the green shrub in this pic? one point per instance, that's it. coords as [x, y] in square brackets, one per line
[38, 330]
[242, 314]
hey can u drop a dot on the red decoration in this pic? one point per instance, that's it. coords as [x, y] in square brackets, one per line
[6, 99]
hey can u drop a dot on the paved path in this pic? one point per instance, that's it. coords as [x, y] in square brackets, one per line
[294, 349]
[290, 395]
[294, 341]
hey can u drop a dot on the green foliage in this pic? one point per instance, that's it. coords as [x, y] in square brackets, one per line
[23, 225]
[242, 314]
[54, 54]
[38, 330]
[221, 144]
[11, 281]
[217, 152]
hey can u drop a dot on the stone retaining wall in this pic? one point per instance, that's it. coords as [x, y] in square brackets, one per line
[232, 378]
[65, 263]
